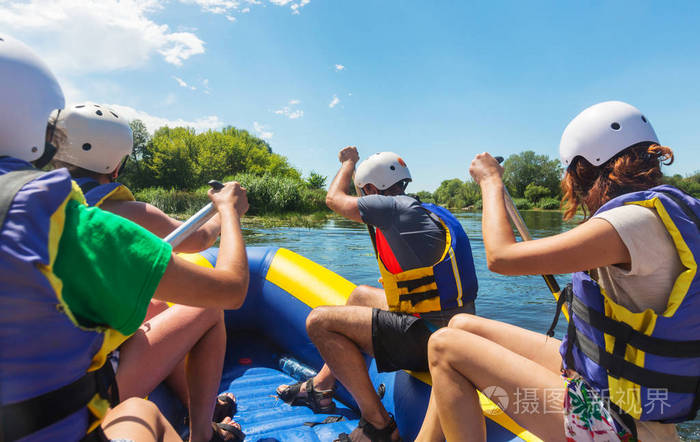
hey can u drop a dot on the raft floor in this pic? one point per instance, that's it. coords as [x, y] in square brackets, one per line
[251, 373]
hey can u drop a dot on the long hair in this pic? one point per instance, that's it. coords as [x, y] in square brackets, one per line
[636, 168]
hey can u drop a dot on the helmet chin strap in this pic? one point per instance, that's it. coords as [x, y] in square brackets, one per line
[49, 148]
[49, 151]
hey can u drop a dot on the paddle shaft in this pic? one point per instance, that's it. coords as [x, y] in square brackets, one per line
[522, 229]
[177, 236]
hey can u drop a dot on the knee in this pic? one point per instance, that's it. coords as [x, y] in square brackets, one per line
[317, 321]
[135, 406]
[359, 296]
[213, 316]
[439, 346]
[463, 321]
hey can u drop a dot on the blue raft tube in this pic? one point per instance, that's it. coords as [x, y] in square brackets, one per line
[268, 346]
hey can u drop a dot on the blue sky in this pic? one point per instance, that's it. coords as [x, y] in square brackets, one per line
[437, 82]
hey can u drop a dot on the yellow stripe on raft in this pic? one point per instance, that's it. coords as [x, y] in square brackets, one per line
[311, 283]
[491, 411]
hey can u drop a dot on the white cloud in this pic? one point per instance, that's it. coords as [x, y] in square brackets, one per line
[228, 7]
[334, 102]
[262, 131]
[96, 36]
[153, 122]
[339, 67]
[182, 83]
[289, 111]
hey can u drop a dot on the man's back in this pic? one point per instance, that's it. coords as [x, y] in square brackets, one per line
[414, 235]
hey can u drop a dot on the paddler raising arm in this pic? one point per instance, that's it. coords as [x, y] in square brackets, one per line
[392, 323]
[634, 298]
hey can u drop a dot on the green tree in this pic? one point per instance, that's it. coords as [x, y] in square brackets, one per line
[689, 184]
[316, 180]
[141, 139]
[133, 173]
[425, 197]
[456, 194]
[529, 168]
[534, 192]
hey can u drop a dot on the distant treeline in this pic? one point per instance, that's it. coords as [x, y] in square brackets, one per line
[532, 180]
[171, 168]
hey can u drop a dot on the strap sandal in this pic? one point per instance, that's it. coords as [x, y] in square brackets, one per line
[313, 397]
[238, 435]
[366, 432]
[226, 406]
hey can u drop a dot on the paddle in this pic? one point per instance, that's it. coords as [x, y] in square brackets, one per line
[517, 220]
[178, 235]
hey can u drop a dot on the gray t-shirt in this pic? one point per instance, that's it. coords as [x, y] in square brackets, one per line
[416, 239]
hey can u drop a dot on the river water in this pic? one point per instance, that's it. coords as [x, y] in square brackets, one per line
[344, 247]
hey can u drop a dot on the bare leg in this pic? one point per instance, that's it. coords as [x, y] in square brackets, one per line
[149, 356]
[431, 431]
[138, 419]
[177, 380]
[461, 362]
[363, 295]
[341, 335]
[536, 347]
[203, 369]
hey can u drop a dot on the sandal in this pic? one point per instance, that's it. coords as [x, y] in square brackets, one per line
[226, 406]
[313, 397]
[368, 432]
[238, 435]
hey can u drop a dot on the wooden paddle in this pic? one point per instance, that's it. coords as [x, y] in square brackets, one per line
[522, 229]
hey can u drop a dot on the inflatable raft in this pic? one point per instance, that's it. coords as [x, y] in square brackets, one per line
[268, 346]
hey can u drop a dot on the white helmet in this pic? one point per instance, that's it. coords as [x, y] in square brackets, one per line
[382, 169]
[97, 139]
[28, 94]
[603, 130]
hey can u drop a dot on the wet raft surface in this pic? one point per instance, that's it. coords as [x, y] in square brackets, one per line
[251, 373]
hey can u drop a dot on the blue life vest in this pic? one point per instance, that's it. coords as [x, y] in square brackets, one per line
[445, 285]
[96, 193]
[647, 364]
[43, 348]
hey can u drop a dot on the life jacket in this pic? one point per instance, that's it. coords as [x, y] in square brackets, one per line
[52, 370]
[96, 193]
[445, 285]
[646, 364]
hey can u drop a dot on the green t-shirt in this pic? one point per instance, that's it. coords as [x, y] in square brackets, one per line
[110, 267]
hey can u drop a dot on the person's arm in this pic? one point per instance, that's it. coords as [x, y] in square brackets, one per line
[592, 244]
[157, 222]
[226, 285]
[337, 198]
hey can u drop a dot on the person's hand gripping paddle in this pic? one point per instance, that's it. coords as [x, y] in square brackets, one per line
[522, 229]
[195, 221]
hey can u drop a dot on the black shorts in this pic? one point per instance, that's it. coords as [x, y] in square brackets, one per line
[400, 340]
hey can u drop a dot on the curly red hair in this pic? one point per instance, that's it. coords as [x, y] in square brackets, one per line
[636, 168]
